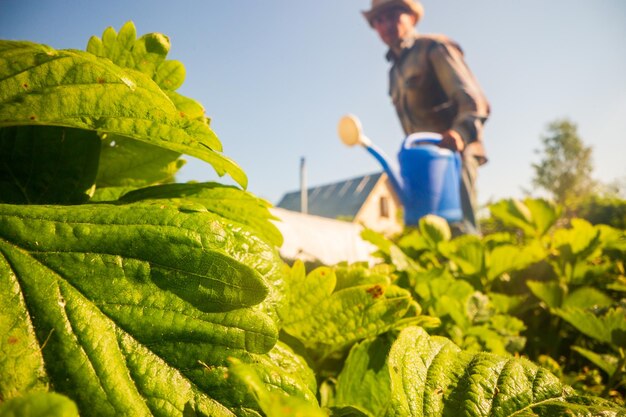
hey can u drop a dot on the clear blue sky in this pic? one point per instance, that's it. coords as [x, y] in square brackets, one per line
[276, 75]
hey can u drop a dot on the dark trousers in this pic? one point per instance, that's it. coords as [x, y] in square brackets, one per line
[469, 204]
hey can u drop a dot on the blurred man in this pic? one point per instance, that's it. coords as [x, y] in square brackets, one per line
[433, 90]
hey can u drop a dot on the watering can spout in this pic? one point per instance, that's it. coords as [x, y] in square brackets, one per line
[351, 134]
[390, 169]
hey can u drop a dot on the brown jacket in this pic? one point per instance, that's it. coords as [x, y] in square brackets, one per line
[433, 90]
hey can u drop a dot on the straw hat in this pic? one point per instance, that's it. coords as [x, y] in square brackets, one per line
[378, 6]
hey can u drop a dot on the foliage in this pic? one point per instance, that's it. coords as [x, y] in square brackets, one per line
[45, 89]
[565, 168]
[429, 375]
[604, 210]
[537, 289]
[124, 294]
[131, 305]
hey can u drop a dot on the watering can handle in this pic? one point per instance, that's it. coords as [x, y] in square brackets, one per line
[421, 138]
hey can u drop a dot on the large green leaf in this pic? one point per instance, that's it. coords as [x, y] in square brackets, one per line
[130, 163]
[430, 376]
[127, 308]
[327, 321]
[43, 86]
[146, 54]
[47, 164]
[229, 202]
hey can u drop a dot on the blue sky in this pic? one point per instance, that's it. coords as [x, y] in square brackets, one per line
[275, 76]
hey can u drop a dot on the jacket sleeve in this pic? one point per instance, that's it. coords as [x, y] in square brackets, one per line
[462, 89]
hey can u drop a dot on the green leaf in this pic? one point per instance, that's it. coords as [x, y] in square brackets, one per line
[483, 339]
[146, 54]
[435, 229]
[544, 214]
[364, 380]
[327, 321]
[109, 194]
[273, 404]
[535, 217]
[451, 298]
[229, 202]
[125, 306]
[578, 242]
[587, 297]
[612, 239]
[47, 165]
[377, 239]
[188, 106]
[509, 258]
[283, 370]
[505, 303]
[432, 377]
[608, 363]
[396, 255]
[358, 274]
[131, 163]
[609, 328]
[39, 404]
[467, 252]
[43, 86]
[514, 213]
[550, 292]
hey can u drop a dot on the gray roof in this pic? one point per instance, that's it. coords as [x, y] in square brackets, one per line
[340, 199]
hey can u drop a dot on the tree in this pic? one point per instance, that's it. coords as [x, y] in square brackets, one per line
[565, 168]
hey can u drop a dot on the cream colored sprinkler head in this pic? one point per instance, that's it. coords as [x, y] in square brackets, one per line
[350, 131]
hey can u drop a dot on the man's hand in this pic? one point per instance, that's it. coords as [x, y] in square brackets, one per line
[450, 139]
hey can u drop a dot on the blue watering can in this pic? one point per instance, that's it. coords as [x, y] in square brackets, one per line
[428, 179]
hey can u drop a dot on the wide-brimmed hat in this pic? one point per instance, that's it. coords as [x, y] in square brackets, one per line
[378, 6]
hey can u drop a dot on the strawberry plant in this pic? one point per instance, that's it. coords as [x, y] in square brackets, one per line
[123, 293]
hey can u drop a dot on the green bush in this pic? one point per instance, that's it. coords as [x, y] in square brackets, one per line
[604, 210]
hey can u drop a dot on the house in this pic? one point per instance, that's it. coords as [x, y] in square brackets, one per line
[319, 240]
[368, 200]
